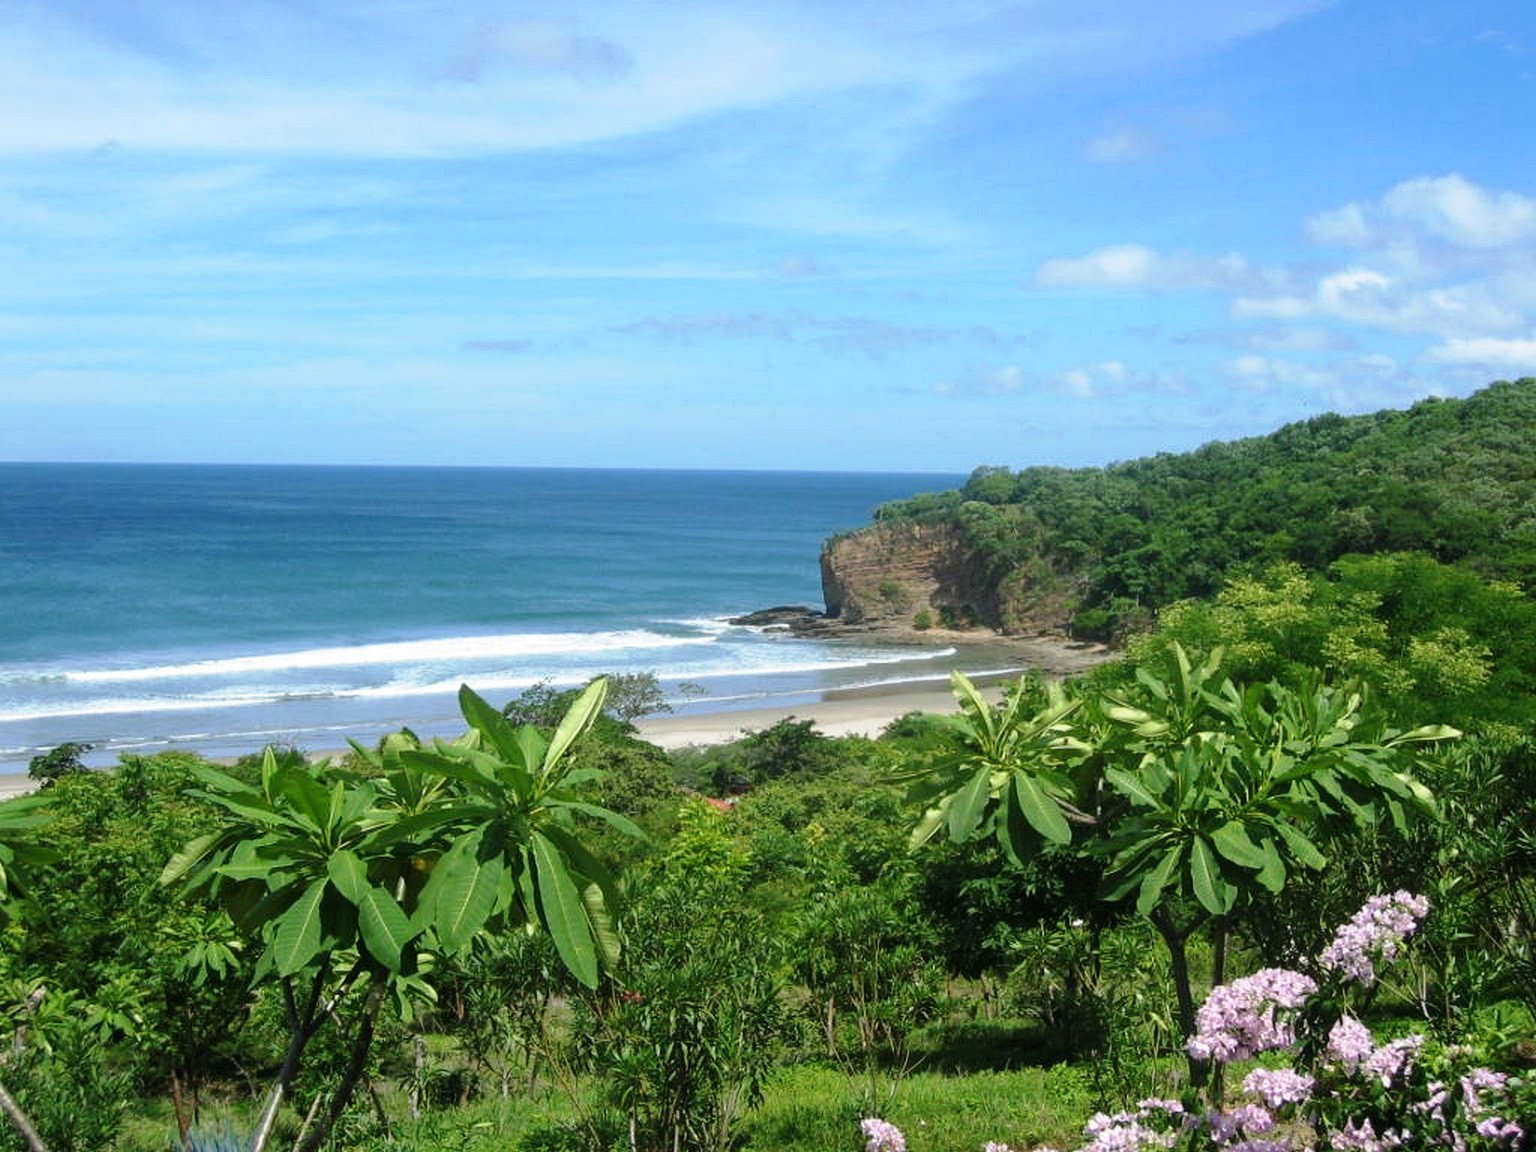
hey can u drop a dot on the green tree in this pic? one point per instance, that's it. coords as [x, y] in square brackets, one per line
[687, 1028]
[355, 883]
[20, 820]
[1196, 794]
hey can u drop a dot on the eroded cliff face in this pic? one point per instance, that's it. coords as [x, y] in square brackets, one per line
[888, 574]
[891, 572]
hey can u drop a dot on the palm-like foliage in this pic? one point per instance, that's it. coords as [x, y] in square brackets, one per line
[1197, 794]
[1015, 777]
[356, 881]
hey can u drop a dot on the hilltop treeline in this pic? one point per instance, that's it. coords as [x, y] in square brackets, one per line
[1454, 480]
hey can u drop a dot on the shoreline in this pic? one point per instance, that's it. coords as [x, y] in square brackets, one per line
[840, 712]
[857, 711]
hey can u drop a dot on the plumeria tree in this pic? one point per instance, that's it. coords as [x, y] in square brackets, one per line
[355, 882]
[1197, 795]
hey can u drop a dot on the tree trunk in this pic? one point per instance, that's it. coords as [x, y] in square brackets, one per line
[357, 1065]
[1178, 957]
[19, 1121]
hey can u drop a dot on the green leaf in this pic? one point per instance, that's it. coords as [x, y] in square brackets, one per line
[1013, 831]
[1130, 785]
[1043, 814]
[349, 874]
[193, 853]
[1272, 875]
[461, 894]
[384, 927]
[307, 797]
[968, 805]
[1157, 879]
[562, 911]
[1428, 733]
[604, 933]
[1205, 876]
[932, 820]
[497, 731]
[296, 934]
[577, 719]
[583, 863]
[615, 820]
[1232, 841]
[1300, 847]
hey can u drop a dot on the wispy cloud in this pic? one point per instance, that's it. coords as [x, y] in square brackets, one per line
[1122, 144]
[462, 79]
[1135, 267]
[866, 336]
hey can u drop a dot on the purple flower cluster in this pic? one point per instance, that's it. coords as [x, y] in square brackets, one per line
[1392, 1060]
[1362, 1138]
[1350, 1043]
[1374, 935]
[1240, 1124]
[1278, 1086]
[1126, 1132]
[1241, 1019]
[882, 1136]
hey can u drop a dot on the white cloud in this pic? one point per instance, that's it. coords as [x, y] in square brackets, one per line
[1448, 209]
[432, 78]
[1366, 297]
[1515, 355]
[1137, 267]
[1121, 145]
[1091, 380]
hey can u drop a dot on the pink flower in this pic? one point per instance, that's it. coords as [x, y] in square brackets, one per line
[1391, 1060]
[1278, 1086]
[1350, 1043]
[1239, 1020]
[882, 1136]
[1374, 935]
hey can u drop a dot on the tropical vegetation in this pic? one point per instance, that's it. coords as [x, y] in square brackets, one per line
[1265, 882]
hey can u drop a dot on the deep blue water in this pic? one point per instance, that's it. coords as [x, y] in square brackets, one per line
[226, 607]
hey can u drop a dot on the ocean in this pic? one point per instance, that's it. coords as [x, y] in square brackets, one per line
[222, 608]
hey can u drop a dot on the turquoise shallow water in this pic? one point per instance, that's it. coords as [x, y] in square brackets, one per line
[226, 607]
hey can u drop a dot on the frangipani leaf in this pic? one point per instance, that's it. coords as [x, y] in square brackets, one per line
[1043, 813]
[494, 728]
[349, 874]
[1131, 786]
[1205, 877]
[969, 804]
[1233, 842]
[461, 894]
[296, 933]
[563, 912]
[384, 927]
[1156, 881]
[577, 719]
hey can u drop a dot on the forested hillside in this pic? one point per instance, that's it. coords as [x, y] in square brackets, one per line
[1454, 480]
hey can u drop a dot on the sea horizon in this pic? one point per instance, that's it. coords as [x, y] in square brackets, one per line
[222, 607]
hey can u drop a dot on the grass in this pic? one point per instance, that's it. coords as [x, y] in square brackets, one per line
[817, 1109]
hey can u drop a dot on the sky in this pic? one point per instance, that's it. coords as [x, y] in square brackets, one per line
[777, 234]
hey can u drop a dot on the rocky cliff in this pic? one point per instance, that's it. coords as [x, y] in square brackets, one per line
[901, 573]
[891, 573]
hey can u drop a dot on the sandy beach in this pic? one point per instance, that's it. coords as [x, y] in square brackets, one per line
[853, 713]
[839, 712]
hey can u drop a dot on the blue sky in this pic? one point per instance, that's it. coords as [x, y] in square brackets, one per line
[772, 234]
